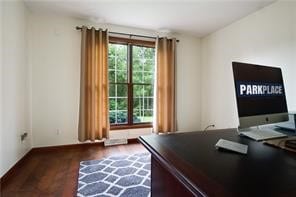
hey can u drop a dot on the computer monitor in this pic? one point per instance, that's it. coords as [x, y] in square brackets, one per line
[260, 94]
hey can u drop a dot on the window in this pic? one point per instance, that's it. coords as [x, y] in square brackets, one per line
[131, 81]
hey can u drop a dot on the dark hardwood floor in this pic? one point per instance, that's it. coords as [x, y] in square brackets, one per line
[54, 172]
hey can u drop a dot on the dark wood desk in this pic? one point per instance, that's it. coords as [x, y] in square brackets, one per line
[187, 164]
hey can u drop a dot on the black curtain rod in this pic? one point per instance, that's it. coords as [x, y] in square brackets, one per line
[125, 34]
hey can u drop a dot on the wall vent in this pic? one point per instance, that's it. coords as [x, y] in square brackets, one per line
[112, 142]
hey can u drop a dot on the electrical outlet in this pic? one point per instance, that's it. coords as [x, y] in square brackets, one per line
[58, 132]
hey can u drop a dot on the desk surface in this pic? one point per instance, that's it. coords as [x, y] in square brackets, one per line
[194, 160]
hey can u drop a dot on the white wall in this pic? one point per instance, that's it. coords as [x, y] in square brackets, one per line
[15, 84]
[55, 58]
[188, 83]
[1, 130]
[266, 37]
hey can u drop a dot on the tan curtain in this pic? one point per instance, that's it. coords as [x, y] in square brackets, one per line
[165, 116]
[93, 111]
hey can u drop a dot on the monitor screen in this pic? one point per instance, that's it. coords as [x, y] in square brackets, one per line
[259, 90]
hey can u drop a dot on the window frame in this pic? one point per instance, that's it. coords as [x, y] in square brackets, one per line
[130, 43]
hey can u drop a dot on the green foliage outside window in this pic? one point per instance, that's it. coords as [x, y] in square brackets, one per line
[142, 63]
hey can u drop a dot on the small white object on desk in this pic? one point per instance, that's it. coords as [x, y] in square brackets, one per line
[233, 146]
[263, 134]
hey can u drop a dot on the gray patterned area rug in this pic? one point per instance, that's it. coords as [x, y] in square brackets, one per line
[123, 175]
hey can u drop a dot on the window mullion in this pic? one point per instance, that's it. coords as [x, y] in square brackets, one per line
[130, 86]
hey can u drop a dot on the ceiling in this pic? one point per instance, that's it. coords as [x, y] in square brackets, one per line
[198, 18]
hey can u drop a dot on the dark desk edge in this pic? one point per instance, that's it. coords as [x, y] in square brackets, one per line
[197, 183]
[179, 176]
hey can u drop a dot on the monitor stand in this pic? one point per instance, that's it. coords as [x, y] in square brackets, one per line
[258, 134]
[289, 125]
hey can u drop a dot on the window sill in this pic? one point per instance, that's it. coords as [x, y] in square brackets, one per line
[135, 126]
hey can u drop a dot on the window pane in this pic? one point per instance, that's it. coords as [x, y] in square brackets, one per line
[121, 104]
[117, 59]
[118, 90]
[148, 116]
[148, 77]
[138, 90]
[121, 61]
[121, 76]
[112, 117]
[111, 76]
[149, 103]
[112, 90]
[121, 90]
[149, 53]
[149, 65]
[112, 104]
[143, 103]
[111, 56]
[148, 91]
[118, 103]
[137, 65]
[122, 117]
[118, 117]
[143, 64]
[138, 77]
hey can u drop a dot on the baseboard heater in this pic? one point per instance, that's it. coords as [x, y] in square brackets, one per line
[112, 142]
